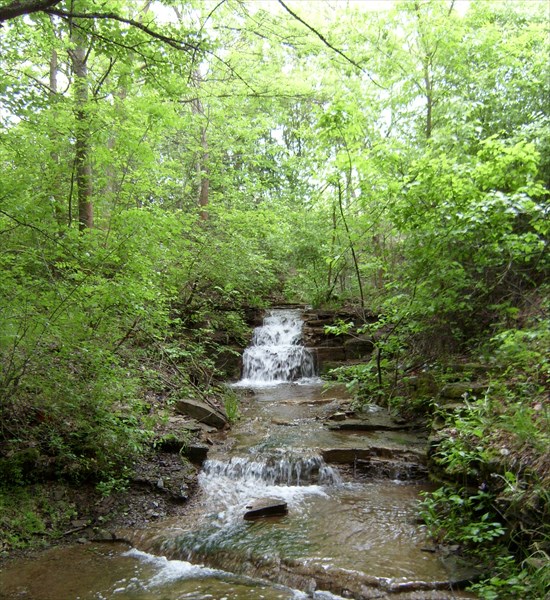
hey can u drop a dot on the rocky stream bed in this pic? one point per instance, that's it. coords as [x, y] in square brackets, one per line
[337, 493]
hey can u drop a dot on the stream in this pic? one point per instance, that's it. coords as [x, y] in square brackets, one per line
[339, 530]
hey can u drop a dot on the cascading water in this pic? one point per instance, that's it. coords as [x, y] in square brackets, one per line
[268, 471]
[276, 354]
[278, 469]
[229, 487]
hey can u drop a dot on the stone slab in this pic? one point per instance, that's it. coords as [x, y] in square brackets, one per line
[265, 507]
[371, 423]
[202, 412]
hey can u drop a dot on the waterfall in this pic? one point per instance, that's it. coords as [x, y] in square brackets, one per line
[284, 468]
[229, 486]
[275, 354]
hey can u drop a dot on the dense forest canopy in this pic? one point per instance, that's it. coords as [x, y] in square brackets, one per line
[166, 165]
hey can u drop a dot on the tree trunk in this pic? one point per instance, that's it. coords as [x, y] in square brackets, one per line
[55, 195]
[352, 249]
[427, 62]
[204, 180]
[429, 99]
[82, 133]
[330, 285]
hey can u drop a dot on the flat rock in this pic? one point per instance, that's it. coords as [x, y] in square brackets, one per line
[179, 422]
[374, 422]
[350, 583]
[282, 422]
[396, 470]
[381, 463]
[310, 401]
[202, 412]
[329, 354]
[265, 507]
[351, 455]
[338, 416]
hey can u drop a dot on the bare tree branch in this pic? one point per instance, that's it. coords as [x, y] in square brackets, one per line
[24, 7]
[193, 49]
[327, 43]
[177, 44]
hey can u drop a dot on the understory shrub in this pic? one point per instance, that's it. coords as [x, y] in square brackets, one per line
[494, 454]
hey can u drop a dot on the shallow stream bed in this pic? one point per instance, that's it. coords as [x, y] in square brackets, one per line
[344, 534]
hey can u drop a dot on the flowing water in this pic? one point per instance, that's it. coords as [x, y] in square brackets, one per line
[276, 355]
[344, 533]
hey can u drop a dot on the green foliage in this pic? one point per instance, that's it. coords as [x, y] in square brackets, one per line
[361, 381]
[500, 443]
[379, 378]
[418, 190]
[471, 247]
[469, 518]
[28, 516]
[231, 403]
[113, 484]
[71, 400]
[464, 452]
[523, 352]
[456, 515]
[531, 580]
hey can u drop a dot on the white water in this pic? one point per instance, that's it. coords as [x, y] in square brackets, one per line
[168, 570]
[276, 355]
[229, 486]
[282, 469]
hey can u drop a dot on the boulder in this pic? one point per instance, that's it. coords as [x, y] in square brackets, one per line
[265, 507]
[422, 385]
[202, 412]
[196, 453]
